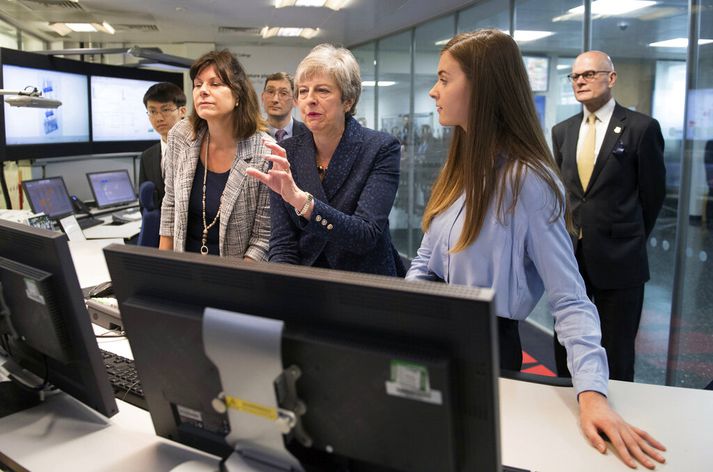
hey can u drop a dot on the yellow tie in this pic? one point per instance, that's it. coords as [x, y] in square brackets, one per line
[585, 163]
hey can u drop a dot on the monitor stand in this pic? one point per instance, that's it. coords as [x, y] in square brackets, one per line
[14, 398]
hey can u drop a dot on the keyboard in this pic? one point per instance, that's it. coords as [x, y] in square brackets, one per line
[124, 379]
[126, 216]
[90, 222]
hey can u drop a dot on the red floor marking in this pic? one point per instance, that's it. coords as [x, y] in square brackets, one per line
[537, 369]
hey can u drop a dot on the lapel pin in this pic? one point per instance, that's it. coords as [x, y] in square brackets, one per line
[617, 130]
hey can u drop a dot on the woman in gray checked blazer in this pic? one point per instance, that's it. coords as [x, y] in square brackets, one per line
[210, 206]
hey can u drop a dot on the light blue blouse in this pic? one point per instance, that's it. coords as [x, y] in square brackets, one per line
[520, 256]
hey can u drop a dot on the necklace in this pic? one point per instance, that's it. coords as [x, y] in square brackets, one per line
[321, 170]
[204, 238]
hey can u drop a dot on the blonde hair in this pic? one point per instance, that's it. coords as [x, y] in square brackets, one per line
[503, 137]
[338, 63]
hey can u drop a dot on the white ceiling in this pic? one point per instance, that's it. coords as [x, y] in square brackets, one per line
[205, 21]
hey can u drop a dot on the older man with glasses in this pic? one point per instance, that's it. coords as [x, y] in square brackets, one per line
[278, 101]
[611, 161]
[165, 105]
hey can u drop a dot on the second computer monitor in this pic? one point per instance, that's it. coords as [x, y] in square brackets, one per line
[48, 196]
[396, 375]
[111, 188]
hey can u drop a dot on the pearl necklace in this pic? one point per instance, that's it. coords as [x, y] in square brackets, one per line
[204, 239]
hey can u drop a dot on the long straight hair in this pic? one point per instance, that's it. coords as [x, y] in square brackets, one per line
[503, 137]
[246, 117]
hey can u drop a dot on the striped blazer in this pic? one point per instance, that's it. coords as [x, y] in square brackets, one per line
[245, 212]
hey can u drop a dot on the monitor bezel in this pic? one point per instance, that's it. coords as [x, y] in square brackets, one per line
[17, 152]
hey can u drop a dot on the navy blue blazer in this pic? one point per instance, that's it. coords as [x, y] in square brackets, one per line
[350, 220]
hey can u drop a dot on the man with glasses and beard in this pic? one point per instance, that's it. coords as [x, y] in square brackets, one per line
[611, 161]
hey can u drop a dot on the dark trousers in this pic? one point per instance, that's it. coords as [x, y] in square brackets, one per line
[509, 342]
[619, 316]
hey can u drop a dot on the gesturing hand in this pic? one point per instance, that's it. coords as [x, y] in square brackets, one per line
[597, 417]
[278, 178]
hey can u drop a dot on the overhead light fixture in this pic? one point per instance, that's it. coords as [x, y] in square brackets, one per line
[521, 36]
[331, 4]
[60, 28]
[272, 31]
[81, 27]
[602, 8]
[678, 43]
[64, 29]
[380, 83]
[563, 66]
[104, 27]
[524, 36]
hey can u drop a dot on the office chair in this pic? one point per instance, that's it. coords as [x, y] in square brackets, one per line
[150, 216]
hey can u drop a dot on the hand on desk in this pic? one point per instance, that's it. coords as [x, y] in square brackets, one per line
[596, 416]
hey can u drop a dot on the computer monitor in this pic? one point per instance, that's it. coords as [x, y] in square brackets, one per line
[49, 196]
[344, 331]
[65, 124]
[111, 188]
[118, 112]
[45, 332]
[38, 133]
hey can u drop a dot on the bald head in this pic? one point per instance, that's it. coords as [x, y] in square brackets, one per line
[593, 92]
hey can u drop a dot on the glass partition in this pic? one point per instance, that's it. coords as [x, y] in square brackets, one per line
[691, 359]
[366, 57]
[394, 114]
[647, 43]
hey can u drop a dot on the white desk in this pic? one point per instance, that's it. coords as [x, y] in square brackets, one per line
[539, 432]
[540, 428]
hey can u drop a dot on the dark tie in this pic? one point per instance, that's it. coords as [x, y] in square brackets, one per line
[280, 135]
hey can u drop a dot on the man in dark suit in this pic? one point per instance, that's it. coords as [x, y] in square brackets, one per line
[278, 101]
[611, 160]
[166, 105]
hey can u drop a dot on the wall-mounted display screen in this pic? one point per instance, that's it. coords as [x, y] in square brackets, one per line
[118, 112]
[537, 71]
[69, 123]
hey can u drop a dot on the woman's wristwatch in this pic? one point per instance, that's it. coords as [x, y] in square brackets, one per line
[306, 206]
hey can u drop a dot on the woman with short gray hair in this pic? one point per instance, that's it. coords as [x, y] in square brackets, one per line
[333, 188]
[337, 62]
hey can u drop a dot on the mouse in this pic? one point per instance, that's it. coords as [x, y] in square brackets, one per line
[104, 289]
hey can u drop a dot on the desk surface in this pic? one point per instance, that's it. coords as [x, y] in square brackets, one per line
[539, 432]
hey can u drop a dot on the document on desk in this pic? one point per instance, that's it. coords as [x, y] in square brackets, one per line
[125, 231]
[89, 262]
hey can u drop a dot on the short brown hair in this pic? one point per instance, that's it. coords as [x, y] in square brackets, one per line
[247, 119]
[281, 76]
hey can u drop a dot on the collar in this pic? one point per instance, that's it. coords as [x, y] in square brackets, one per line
[605, 113]
[272, 130]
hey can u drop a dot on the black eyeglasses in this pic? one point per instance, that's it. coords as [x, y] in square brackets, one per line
[587, 75]
[162, 112]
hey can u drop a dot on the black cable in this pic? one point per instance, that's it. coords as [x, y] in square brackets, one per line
[3, 184]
